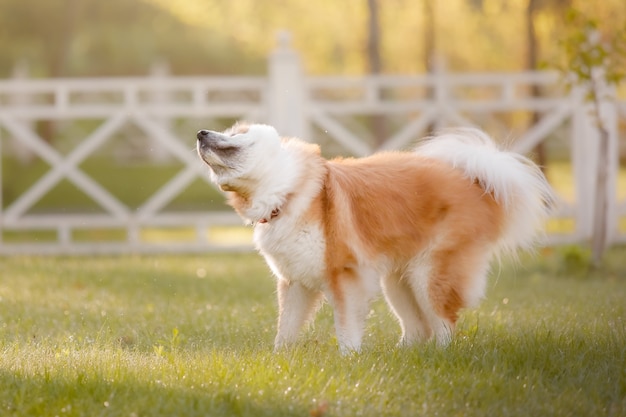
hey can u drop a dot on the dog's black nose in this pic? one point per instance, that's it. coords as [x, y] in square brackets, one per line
[202, 134]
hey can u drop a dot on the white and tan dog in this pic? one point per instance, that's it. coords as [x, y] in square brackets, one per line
[422, 225]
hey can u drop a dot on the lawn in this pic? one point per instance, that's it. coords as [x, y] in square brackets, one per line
[192, 336]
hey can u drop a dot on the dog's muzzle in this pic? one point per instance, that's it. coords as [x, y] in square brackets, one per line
[207, 139]
[202, 134]
[204, 143]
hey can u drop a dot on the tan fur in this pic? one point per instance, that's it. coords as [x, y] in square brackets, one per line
[442, 212]
[397, 205]
[409, 223]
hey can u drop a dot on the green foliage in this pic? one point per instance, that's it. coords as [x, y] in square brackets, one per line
[135, 336]
[588, 46]
[595, 59]
[575, 260]
[113, 37]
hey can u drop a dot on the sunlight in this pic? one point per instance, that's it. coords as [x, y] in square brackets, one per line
[192, 12]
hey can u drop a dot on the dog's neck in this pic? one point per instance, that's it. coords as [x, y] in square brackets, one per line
[273, 215]
[277, 211]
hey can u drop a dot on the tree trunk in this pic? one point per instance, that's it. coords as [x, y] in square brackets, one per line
[378, 122]
[429, 35]
[531, 64]
[373, 40]
[429, 49]
[57, 58]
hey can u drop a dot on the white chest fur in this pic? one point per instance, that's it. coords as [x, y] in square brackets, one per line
[294, 251]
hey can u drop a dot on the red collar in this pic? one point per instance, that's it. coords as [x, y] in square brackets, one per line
[273, 215]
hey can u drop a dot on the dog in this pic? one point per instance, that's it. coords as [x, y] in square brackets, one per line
[423, 226]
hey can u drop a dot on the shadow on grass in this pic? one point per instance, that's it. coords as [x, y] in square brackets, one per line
[81, 395]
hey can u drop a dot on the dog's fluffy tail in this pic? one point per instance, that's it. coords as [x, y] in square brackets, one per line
[514, 180]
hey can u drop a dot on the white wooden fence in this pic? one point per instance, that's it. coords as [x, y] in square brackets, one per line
[332, 110]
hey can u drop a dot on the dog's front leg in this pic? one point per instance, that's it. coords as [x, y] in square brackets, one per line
[350, 302]
[296, 305]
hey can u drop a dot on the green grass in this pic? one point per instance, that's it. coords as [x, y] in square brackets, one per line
[192, 336]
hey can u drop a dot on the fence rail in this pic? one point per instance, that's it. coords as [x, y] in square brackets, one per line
[341, 112]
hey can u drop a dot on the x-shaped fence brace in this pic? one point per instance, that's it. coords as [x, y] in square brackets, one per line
[68, 166]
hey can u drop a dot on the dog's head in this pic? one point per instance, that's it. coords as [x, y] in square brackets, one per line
[239, 156]
[253, 163]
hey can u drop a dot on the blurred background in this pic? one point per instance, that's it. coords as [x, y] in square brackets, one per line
[70, 38]
[100, 101]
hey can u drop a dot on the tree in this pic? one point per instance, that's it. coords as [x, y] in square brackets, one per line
[595, 60]
[532, 55]
[431, 60]
[378, 121]
[430, 45]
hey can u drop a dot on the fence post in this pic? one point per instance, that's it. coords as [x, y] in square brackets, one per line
[287, 94]
[585, 157]
[608, 112]
[1, 192]
[584, 149]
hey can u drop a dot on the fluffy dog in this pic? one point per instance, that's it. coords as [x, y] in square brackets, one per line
[421, 225]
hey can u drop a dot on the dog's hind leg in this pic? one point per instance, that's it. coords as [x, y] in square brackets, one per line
[296, 305]
[446, 280]
[433, 285]
[438, 325]
[401, 300]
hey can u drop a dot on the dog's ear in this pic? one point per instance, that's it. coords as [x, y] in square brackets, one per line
[311, 148]
[238, 127]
